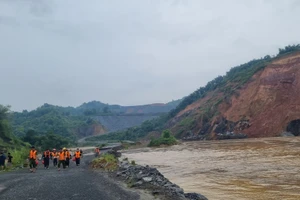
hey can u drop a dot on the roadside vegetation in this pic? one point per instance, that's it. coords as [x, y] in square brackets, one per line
[107, 162]
[8, 141]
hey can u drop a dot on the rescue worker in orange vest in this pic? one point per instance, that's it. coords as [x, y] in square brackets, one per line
[54, 156]
[77, 155]
[32, 159]
[68, 156]
[46, 157]
[97, 152]
[61, 159]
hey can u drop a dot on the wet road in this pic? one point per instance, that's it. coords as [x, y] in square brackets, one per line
[76, 183]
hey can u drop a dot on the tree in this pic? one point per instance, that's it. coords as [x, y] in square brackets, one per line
[4, 111]
[106, 110]
[31, 137]
[166, 134]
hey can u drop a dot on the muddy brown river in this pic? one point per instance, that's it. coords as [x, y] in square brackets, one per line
[267, 168]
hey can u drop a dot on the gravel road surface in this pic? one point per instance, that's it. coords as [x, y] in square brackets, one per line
[76, 183]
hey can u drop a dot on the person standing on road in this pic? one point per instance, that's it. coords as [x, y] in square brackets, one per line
[68, 156]
[77, 156]
[61, 159]
[46, 157]
[54, 156]
[9, 160]
[32, 159]
[2, 160]
[97, 152]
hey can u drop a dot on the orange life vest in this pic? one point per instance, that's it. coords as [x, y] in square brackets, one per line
[47, 153]
[54, 154]
[32, 154]
[62, 156]
[77, 154]
[67, 154]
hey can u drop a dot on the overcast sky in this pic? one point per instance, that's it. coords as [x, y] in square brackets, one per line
[66, 52]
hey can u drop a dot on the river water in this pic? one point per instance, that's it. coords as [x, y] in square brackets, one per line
[264, 168]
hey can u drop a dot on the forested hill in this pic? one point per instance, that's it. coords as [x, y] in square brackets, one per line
[254, 99]
[86, 119]
[7, 139]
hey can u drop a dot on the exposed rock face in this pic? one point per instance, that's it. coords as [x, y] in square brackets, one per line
[94, 129]
[265, 106]
[270, 101]
[150, 178]
[116, 123]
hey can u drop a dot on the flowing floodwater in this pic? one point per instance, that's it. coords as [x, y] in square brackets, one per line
[267, 168]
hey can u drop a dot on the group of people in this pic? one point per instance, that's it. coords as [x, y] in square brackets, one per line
[59, 158]
[3, 158]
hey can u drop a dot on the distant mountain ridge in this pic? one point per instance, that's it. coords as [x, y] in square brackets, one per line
[85, 120]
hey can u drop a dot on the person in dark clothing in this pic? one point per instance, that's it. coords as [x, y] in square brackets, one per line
[9, 159]
[77, 156]
[2, 160]
[54, 156]
[61, 159]
[32, 159]
[46, 157]
[68, 157]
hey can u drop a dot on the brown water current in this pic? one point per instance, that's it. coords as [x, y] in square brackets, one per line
[264, 168]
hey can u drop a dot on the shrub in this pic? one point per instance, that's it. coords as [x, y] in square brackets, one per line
[166, 139]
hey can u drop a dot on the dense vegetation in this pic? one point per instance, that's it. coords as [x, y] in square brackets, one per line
[9, 142]
[234, 79]
[49, 118]
[166, 138]
[66, 121]
[7, 138]
[47, 141]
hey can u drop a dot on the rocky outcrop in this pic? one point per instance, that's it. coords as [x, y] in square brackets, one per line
[230, 135]
[90, 130]
[150, 178]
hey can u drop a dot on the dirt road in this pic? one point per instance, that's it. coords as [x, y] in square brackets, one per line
[76, 183]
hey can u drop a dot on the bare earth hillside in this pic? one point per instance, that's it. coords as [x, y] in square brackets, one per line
[267, 105]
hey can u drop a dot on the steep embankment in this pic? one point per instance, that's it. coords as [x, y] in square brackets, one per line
[263, 105]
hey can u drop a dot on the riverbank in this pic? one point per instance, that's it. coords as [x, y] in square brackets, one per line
[146, 178]
[150, 179]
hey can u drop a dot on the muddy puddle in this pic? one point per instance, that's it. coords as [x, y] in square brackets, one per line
[267, 168]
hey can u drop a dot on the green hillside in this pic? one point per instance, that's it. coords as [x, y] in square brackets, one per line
[74, 123]
[8, 141]
[64, 121]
